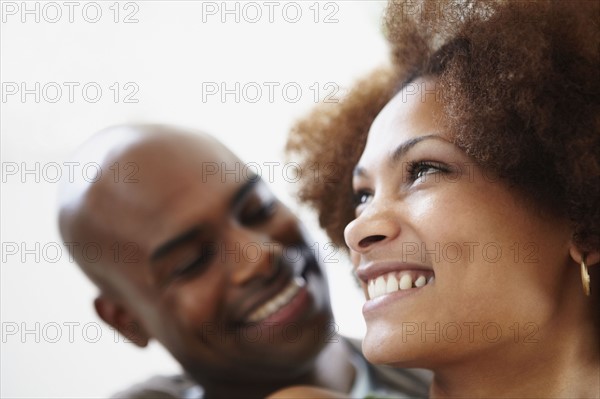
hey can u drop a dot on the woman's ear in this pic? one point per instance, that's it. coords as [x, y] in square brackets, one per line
[121, 319]
[591, 258]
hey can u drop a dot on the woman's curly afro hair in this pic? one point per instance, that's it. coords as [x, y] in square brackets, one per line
[521, 82]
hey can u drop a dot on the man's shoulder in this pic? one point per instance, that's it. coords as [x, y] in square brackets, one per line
[163, 387]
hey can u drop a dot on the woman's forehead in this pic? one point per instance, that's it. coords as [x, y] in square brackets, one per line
[405, 117]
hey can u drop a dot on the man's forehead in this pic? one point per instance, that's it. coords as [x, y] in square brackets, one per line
[121, 153]
[188, 159]
[161, 171]
[161, 177]
[190, 148]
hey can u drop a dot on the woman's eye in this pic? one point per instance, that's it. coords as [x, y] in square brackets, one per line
[419, 170]
[361, 198]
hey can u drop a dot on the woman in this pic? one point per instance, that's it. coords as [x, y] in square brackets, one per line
[467, 189]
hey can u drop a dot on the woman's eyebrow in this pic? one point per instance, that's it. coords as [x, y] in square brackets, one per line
[398, 153]
[403, 148]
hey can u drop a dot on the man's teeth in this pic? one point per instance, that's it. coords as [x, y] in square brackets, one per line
[278, 301]
[392, 282]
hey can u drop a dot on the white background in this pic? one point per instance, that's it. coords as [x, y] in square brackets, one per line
[172, 49]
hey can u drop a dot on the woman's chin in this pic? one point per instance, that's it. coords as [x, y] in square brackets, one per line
[398, 349]
[389, 351]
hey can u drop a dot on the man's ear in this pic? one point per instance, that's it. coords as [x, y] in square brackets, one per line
[121, 319]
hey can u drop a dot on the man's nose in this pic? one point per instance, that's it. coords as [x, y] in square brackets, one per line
[376, 225]
[252, 255]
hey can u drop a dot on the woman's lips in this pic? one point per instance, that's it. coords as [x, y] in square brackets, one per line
[382, 292]
[388, 277]
[388, 281]
[394, 281]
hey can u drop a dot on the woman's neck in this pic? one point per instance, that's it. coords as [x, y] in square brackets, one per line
[564, 362]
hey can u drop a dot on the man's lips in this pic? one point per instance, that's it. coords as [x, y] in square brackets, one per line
[279, 308]
[266, 297]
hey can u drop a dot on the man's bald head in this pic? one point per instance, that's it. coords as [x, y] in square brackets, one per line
[132, 161]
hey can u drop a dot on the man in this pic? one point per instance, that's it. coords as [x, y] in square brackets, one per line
[212, 266]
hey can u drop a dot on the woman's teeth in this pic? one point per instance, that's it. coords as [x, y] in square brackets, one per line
[392, 282]
[273, 305]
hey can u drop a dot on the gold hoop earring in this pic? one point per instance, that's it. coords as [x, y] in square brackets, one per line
[585, 277]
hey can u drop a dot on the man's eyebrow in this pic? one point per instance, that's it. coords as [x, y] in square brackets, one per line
[192, 233]
[244, 190]
[399, 152]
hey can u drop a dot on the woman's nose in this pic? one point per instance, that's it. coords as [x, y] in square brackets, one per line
[376, 225]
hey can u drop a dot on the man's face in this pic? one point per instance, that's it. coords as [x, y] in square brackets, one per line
[222, 275]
